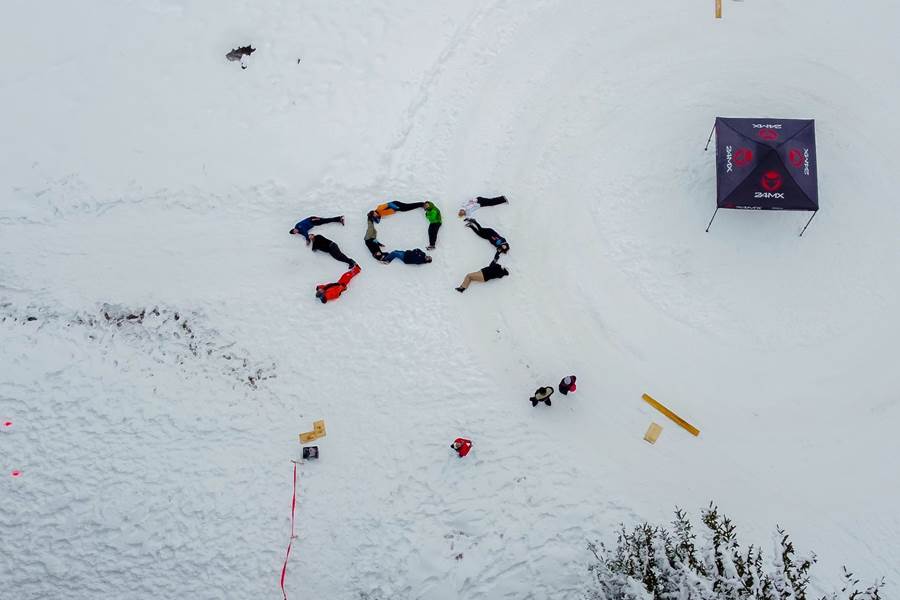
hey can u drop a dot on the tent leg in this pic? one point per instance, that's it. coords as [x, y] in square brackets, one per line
[710, 137]
[711, 220]
[808, 222]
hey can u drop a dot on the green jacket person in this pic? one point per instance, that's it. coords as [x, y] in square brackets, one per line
[433, 214]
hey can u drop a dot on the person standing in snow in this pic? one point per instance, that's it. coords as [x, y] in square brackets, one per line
[462, 446]
[371, 237]
[433, 214]
[492, 271]
[542, 394]
[410, 257]
[303, 227]
[496, 240]
[567, 384]
[320, 243]
[389, 208]
[333, 291]
[469, 208]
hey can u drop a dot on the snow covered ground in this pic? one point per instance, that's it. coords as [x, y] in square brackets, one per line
[142, 172]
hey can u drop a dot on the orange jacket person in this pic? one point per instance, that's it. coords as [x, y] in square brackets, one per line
[389, 208]
[333, 291]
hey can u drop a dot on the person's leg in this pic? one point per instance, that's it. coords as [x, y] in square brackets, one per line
[485, 233]
[323, 220]
[432, 234]
[336, 254]
[470, 277]
[491, 201]
[405, 206]
[392, 255]
[374, 248]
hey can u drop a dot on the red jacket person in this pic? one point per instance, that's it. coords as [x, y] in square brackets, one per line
[462, 446]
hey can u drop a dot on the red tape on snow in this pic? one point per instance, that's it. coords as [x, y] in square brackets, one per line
[291, 542]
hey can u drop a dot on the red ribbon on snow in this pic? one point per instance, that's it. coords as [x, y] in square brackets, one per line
[290, 543]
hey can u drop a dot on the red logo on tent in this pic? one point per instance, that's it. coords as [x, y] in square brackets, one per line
[796, 157]
[768, 134]
[742, 157]
[771, 181]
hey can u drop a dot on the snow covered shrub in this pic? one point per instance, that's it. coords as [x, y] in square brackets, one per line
[658, 563]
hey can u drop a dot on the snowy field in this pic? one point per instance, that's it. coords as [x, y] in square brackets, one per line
[142, 172]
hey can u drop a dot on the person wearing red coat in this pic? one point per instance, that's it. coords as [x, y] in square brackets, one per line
[567, 384]
[332, 291]
[462, 446]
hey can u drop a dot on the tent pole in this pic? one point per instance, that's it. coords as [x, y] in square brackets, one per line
[710, 136]
[808, 222]
[713, 217]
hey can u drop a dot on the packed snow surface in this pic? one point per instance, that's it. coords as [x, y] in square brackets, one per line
[161, 346]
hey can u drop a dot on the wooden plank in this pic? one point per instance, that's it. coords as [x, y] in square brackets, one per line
[690, 428]
[653, 433]
[319, 428]
[718, 9]
[309, 436]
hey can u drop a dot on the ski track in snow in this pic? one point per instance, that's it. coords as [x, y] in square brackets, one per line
[152, 473]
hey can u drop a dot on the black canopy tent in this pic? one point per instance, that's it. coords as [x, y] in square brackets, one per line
[766, 164]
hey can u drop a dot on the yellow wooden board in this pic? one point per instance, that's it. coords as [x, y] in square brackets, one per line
[309, 436]
[718, 9]
[690, 428]
[319, 428]
[653, 433]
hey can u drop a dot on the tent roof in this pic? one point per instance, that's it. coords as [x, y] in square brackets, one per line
[766, 164]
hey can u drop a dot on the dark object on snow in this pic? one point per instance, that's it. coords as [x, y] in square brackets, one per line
[493, 271]
[303, 227]
[320, 243]
[567, 384]
[238, 54]
[310, 452]
[496, 240]
[416, 256]
[766, 164]
[542, 394]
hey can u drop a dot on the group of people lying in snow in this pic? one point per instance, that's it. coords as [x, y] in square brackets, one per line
[320, 243]
[494, 270]
[415, 256]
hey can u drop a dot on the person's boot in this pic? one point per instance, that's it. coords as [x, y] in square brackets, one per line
[533, 402]
[460, 289]
[547, 401]
[342, 219]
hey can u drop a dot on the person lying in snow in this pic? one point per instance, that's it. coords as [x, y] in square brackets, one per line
[303, 227]
[433, 214]
[469, 208]
[371, 238]
[462, 446]
[496, 240]
[567, 384]
[389, 208]
[410, 257]
[492, 271]
[333, 291]
[542, 394]
[320, 243]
